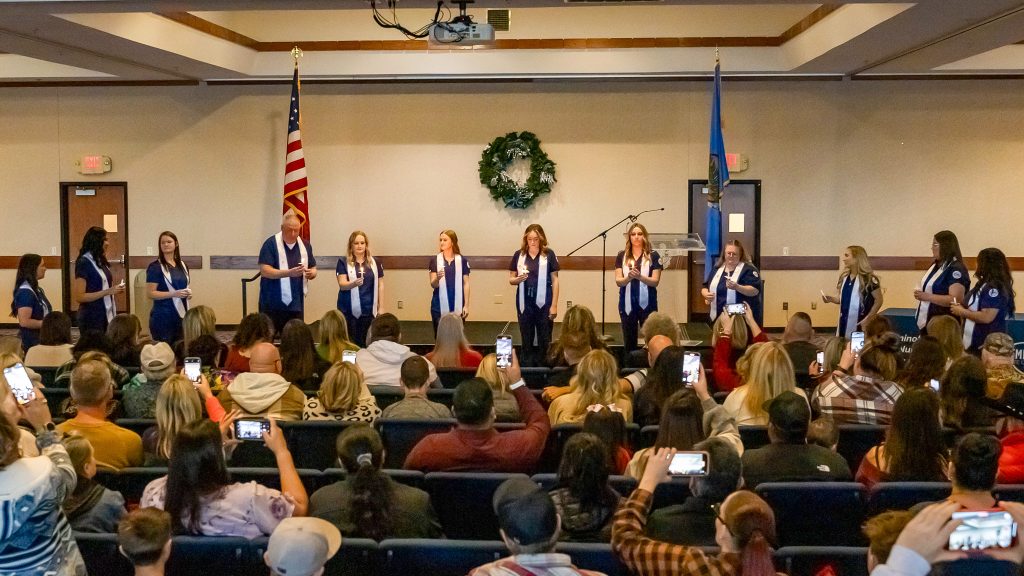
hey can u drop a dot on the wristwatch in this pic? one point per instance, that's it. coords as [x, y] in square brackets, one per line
[516, 385]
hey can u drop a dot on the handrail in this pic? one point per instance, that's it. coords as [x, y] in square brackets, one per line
[245, 301]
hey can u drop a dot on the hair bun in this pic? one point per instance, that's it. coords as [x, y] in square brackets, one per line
[365, 459]
[890, 340]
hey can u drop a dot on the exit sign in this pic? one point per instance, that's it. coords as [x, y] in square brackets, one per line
[94, 165]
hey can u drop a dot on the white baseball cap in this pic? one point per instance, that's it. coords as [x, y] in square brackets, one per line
[301, 546]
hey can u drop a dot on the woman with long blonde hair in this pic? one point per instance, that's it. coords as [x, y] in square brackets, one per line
[506, 408]
[769, 373]
[344, 396]
[177, 404]
[858, 291]
[534, 272]
[596, 382]
[451, 349]
[637, 274]
[360, 286]
[334, 338]
[449, 277]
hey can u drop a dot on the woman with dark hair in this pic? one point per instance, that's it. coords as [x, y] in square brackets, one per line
[913, 450]
[29, 304]
[945, 282]
[962, 395]
[664, 379]
[450, 269]
[533, 270]
[744, 531]
[990, 303]
[859, 291]
[637, 274]
[251, 331]
[927, 362]
[609, 426]
[300, 363]
[367, 503]
[736, 281]
[54, 347]
[360, 286]
[124, 331]
[584, 499]
[167, 285]
[93, 288]
[861, 390]
[202, 500]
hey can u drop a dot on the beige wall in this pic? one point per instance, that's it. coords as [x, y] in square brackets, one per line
[882, 164]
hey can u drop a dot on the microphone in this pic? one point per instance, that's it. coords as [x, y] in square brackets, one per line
[634, 218]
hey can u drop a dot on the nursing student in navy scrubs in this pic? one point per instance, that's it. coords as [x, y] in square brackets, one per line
[360, 285]
[167, 285]
[93, 288]
[450, 268]
[736, 281]
[945, 282]
[637, 274]
[29, 304]
[534, 272]
[860, 292]
[286, 267]
[988, 305]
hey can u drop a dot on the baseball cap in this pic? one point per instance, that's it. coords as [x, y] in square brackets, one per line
[157, 360]
[301, 546]
[788, 412]
[525, 512]
[999, 343]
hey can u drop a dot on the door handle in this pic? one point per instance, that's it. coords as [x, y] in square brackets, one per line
[120, 260]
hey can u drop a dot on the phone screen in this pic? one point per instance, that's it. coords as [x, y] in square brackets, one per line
[691, 368]
[689, 464]
[735, 309]
[349, 356]
[821, 362]
[20, 384]
[503, 349]
[856, 342]
[251, 429]
[193, 368]
[982, 529]
[934, 384]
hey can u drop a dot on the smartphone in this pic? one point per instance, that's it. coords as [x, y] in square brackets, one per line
[689, 464]
[820, 357]
[348, 356]
[856, 342]
[983, 529]
[193, 368]
[934, 384]
[20, 384]
[735, 309]
[503, 349]
[691, 368]
[251, 429]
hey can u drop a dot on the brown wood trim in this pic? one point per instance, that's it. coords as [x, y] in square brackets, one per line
[11, 262]
[800, 262]
[810, 20]
[421, 262]
[1001, 76]
[118, 83]
[140, 262]
[341, 45]
[210, 28]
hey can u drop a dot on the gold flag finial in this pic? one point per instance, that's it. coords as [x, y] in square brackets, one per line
[296, 54]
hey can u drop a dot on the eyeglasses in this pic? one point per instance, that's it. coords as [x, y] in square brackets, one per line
[717, 509]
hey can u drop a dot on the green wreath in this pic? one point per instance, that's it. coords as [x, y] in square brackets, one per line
[496, 159]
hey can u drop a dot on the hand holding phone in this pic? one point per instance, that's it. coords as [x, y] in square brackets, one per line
[691, 369]
[348, 356]
[690, 463]
[983, 529]
[193, 368]
[856, 343]
[251, 429]
[20, 384]
[736, 309]
[820, 358]
[503, 351]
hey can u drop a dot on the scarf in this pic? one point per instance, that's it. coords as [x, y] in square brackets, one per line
[542, 281]
[645, 270]
[927, 284]
[179, 303]
[442, 287]
[730, 295]
[282, 264]
[357, 307]
[108, 301]
[853, 310]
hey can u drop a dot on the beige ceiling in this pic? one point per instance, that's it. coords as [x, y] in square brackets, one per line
[249, 40]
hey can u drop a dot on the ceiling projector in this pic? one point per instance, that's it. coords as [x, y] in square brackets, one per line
[460, 32]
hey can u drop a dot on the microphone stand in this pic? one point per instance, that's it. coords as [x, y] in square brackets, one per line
[603, 235]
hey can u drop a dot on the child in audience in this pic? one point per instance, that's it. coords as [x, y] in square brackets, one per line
[608, 424]
[144, 538]
[584, 499]
[90, 507]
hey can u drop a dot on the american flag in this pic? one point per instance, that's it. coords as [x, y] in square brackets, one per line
[296, 196]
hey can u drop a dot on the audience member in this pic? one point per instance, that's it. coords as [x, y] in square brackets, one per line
[11, 345]
[199, 321]
[596, 382]
[177, 404]
[664, 379]
[505, 406]
[576, 339]
[342, 396]
[210, 352]
[973, 467]
[97, 343]
[797, 340]
[382, 358]
[789, 458]
[92, 390]
[139, 395]
[474, 445]
[451, 349]
[927, 362]
[657, 324]
[962, 395]
[334, 338]
[730, 340]
[415, 405]
[124, 332]
[198, 493]
[882, 531]
[300, 363]
[769, 372]
[947, 330]
[54, 346]
[367, 503]
[654, 346]
[744, 532]
[301, 547]
[583, 498]
[144, 538]
[997, 355]
[262, 391]
[824, 433]
[868, 394]
[90, 507]
[833, 352]
[530, 526]
[1011, 434]
[913, 449]
[609, 425]
[693, 521]
[876, 326]
[252, 330]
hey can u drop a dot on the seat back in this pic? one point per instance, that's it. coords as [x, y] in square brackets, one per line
[463, 503]
[55, 398]
[816, 513]
[403, 557]
[856, 439]
[47, 373]
[593, 556]
[400, 436]
[130, 482]
[452, 377]
[220, 555]
[101, 556]
[1011, 492]
[902, 495]
[754, 436]
[813, 560]
[137, 425]
[312, 442]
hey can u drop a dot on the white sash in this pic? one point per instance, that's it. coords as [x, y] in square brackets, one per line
[853, 309]
[972, 304]
[927, 282]
[730, 295]
[645, 270]
[108, 301]
[442, 286]
[353, 294]
[42, 301]
[282, 264]
[179, 303]
[542, 281]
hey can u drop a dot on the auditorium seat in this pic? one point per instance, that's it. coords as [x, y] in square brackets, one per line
[312, 442]
[55, 398]
[101, 556]
[754, 436]
[593, 556]
[856, 439]
[412, 478]
[816, 513]
[386, 395]
[220, 555]
[560, 435]
[463, 503]
[47, 373]
[404, 557]
[648, 435]
[137, 425]
[902, 495]
[1010, 492]
[816, 560]
[624, 485]
[537, 377]
[452, 377]
[130, 482]
[400, 436]
[668, 493]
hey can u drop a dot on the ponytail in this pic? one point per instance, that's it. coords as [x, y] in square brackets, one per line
[752, 524]
[361, 453]
[757, 556]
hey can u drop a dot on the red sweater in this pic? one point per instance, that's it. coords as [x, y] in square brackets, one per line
[1011, 461]
[723, 362]
[463, 450]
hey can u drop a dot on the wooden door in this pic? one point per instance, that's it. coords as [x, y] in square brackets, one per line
[741, 200]
[88, 204]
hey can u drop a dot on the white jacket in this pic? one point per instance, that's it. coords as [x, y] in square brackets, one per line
[381, 363]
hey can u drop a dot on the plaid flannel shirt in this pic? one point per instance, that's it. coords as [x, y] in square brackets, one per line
[857, 399]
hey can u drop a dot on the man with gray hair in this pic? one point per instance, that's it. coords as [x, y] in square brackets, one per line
[286, 267]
